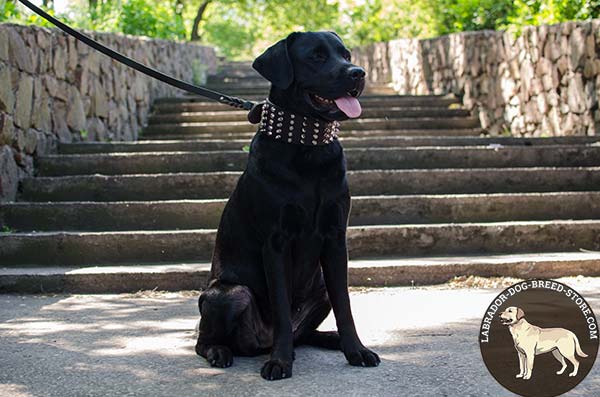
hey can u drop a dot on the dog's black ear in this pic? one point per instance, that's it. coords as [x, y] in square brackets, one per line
[275, 64]
[520, 313]
[336, 35]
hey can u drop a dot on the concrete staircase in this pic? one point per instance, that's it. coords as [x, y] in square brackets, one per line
[432, 198]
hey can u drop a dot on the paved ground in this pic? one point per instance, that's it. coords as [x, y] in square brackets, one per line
[142, 345]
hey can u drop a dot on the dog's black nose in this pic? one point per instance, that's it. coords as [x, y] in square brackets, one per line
[356, 73]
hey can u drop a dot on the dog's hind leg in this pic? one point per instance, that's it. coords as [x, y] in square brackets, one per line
[566, 347]
[307, 319]
[229, 323]
[324, 339]
[561, 360]
[575, 363]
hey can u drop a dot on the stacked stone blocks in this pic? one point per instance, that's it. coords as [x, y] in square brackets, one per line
[544, 81]
[56, 89]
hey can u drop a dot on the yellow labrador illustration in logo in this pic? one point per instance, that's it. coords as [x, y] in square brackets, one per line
[531, 340]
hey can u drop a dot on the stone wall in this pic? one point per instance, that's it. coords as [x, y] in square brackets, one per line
[544, 82]
[55, 89]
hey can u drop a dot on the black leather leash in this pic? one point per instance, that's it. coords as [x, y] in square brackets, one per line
[205, 92]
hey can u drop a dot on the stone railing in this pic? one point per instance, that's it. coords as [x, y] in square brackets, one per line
[54, 89]
[544, 82]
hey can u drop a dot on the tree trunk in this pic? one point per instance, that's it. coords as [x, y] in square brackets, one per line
[195, 29]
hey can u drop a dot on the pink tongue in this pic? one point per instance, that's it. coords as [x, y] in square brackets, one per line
[349, 105]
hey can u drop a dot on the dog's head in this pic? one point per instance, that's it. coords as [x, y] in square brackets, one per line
[511, 315]
[312, 73]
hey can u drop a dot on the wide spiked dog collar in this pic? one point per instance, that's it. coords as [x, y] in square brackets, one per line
[288, 127]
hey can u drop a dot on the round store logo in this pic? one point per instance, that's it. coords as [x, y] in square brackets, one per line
[539, 338]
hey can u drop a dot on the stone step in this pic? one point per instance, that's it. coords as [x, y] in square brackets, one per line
[428, 133]
[444, 103]
[361, 273]
[89, 248]
[218, 79]
[234, 69]
[393, 112]
[192, 103]
[228, 69]
[357, 159]
[366, 210]
[254, 89]
[347, 142]
[422, 123]
[223, 81]
[242, 92]
[212, 185]
[260, 93]
[251, 82]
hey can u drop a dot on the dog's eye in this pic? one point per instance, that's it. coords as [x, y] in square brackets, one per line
[347, 57]
[319, 56]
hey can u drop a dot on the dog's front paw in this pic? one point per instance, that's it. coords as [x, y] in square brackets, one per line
[527, 376]
[519, 376]
[276, 369]
[219, 356]
[362, 357]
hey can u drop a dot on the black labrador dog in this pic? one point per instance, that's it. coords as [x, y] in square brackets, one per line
[280, 261]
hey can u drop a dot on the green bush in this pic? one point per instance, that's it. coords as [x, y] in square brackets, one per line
[536, 12]
[8, 11]
[466, 15]
[153, 19]
[136, 17]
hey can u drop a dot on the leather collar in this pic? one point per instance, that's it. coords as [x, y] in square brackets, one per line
[288, 127]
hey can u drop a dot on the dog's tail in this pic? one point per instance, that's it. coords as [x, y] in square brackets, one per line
[578, 348]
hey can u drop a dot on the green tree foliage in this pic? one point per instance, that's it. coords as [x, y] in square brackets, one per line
[464, 15]
[242, 28]
[8, 11]
[154, 19]
[136, 17]
[383, 20]
[238, 28]
[536, 12]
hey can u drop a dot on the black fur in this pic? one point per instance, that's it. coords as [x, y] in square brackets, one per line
[280, 261]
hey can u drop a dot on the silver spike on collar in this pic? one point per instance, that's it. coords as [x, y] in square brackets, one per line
[288, 127]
